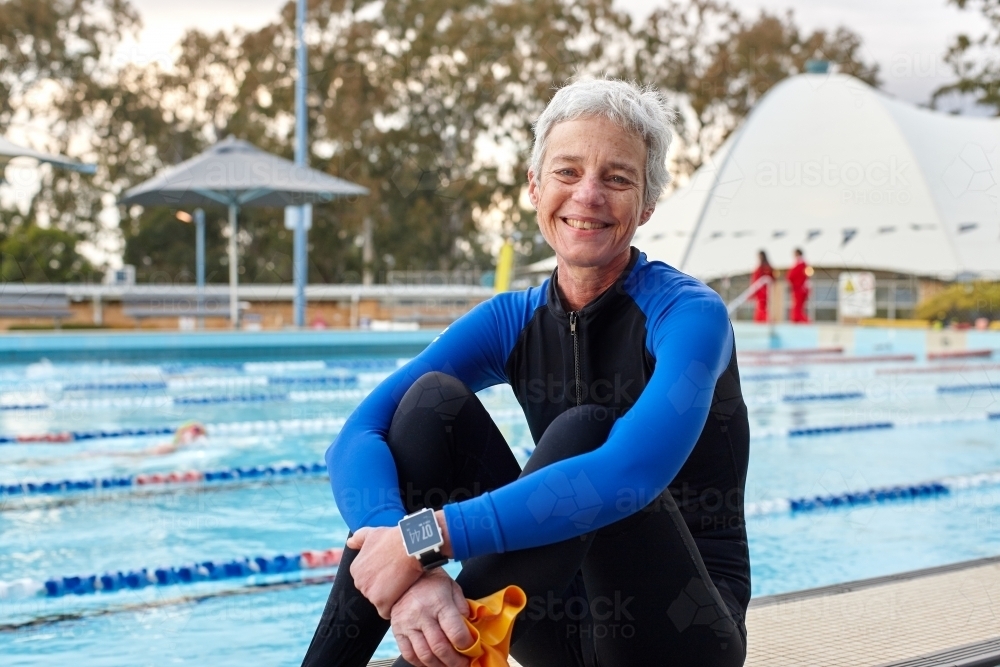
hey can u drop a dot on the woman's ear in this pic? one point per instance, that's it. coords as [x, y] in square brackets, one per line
[532, 189]
[644, 218]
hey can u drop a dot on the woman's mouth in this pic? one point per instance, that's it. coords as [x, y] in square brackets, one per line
[584, 224]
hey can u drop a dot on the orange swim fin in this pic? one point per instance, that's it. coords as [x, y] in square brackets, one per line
[491, 625]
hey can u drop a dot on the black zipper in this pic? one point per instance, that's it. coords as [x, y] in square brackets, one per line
[576, 355]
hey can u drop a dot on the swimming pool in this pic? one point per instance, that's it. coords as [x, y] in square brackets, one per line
[822, 425]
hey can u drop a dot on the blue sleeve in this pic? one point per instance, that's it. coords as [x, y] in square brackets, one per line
[690, 337]
[473, 349]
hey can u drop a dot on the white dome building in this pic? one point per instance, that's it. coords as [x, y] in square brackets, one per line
[857, 179]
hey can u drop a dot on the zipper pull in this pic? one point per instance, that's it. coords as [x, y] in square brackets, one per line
[572, 323]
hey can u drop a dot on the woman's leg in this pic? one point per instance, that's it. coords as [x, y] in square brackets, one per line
[446, 447]
[644, 596]
[653, 601]
[554, 628]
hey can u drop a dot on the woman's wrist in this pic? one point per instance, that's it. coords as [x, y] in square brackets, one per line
[443, 526]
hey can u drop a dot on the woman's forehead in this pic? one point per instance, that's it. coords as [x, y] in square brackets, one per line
[583, 139]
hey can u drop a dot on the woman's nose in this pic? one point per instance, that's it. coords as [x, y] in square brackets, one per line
[589, 191]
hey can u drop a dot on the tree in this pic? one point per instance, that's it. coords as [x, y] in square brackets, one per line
[428, 103]
[718, 64]
[401, 101]
[32, 254]
[973, 60]
[55, 56]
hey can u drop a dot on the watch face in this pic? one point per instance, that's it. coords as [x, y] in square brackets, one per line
[420, 532]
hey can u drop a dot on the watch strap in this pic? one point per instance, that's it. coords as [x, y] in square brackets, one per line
[432, 559]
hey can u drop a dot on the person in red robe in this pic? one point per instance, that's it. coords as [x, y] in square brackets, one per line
[760, 314]
[798, 282]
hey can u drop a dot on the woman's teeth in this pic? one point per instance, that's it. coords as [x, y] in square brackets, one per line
[584, 224]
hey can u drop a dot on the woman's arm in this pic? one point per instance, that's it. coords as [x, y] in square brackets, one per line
[692, 344]
[474, 350]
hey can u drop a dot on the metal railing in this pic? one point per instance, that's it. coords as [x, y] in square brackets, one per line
[763, 281]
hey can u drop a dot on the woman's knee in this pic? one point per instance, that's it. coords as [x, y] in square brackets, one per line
[577, 431]
[434, 393]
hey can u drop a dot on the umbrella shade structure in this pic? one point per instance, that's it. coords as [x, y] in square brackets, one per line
[10, 150]
[235, 173]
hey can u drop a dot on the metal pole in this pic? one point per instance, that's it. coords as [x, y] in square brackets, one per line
[300, 252]
[234, 308]
[199, 260]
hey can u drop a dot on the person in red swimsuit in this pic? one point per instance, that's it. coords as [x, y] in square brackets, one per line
[798, 281]
[760, 314]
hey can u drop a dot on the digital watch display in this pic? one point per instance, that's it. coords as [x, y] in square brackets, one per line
[422, 538]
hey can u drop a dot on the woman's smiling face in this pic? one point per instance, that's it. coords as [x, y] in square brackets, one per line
[589, 194]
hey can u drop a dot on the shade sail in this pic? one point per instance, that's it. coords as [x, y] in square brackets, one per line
[10, 150]
[235, 172]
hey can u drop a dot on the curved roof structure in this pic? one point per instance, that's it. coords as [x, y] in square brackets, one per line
[855, 178]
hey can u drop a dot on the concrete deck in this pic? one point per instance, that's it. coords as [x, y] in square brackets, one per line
[945, 616]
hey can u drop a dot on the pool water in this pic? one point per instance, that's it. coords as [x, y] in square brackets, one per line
[269, 619]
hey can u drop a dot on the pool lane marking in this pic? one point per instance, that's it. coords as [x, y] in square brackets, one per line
[209, 399]
[190, 573]
[876, 358]
[929, 489]
[792, 351]
[954, 368]
[966, 388]
[185, 477]
[248, 589]
[275, 426]
[803, 431]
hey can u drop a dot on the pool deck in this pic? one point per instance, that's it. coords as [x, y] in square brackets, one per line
[946, 616]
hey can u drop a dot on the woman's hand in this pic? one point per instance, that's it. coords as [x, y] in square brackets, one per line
[427, 622]
[382, 571]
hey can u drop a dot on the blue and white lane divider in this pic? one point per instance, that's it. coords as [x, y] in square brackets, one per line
[186, 477]
[966, 388]
[886, 494]
[276, 426]
[344, 381]
[830, 429]
[191, 573]
[770, 377]
[833, 396]
[132, 402]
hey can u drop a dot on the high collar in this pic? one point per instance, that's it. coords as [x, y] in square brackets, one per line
[604, 300]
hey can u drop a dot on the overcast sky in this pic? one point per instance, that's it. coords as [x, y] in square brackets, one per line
[905, 37]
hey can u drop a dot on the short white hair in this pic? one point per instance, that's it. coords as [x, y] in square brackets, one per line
[639, 109]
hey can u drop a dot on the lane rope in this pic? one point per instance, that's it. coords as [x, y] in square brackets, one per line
[131, 402]
[885, 494]
[284, 426]
[872, 426]
[165, 479]
[190, 573]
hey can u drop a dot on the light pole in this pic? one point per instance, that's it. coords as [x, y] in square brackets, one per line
[302, 224]
[199, 256]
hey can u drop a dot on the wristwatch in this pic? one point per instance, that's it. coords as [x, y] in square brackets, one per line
[422, 538]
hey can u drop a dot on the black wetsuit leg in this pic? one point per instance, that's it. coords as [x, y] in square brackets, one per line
[445, 447]
[634, 592]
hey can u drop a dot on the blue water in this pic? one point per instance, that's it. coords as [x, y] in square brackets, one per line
[95, 532]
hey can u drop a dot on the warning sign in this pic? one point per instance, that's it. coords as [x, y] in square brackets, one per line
[856, 294]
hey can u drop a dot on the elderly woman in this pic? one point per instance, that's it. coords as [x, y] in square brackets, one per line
[625, 528]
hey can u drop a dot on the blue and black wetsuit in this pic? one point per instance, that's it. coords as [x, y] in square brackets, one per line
[635, 485]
